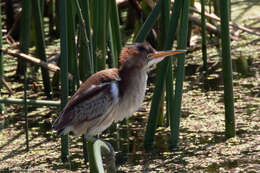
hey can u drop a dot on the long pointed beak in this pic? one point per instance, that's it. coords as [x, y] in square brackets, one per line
[160, 54]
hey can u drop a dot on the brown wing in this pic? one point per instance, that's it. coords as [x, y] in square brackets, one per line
[87, 106]
[90, 101]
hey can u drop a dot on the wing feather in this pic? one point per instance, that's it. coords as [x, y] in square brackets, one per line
[93, 99]
[86, 106]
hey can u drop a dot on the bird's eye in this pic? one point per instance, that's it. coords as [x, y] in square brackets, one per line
[150, 50]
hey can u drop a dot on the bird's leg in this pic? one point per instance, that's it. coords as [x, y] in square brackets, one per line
[93, 139]
[100, 146]
[110, 158]
[111, 149]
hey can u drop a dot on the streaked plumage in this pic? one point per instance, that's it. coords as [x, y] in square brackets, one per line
[109, 95]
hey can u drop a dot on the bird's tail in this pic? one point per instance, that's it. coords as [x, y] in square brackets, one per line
[60, 131]
[59, 126]
[56, 127]
[56, 123]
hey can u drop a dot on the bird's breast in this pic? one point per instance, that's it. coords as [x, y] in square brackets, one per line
[132, 97]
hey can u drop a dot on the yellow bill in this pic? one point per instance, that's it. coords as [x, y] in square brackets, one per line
[160, 54]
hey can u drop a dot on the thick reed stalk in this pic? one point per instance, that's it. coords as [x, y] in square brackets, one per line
[161, 77]
[227, 70]
[40, 45]
[64, 71]
[203, 35]
[24, 46]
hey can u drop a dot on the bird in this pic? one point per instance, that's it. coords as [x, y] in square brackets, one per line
[110, 95]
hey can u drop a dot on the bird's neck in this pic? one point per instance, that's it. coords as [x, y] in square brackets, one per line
[132, 79]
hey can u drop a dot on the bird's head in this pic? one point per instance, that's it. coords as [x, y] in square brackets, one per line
[143, 55]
